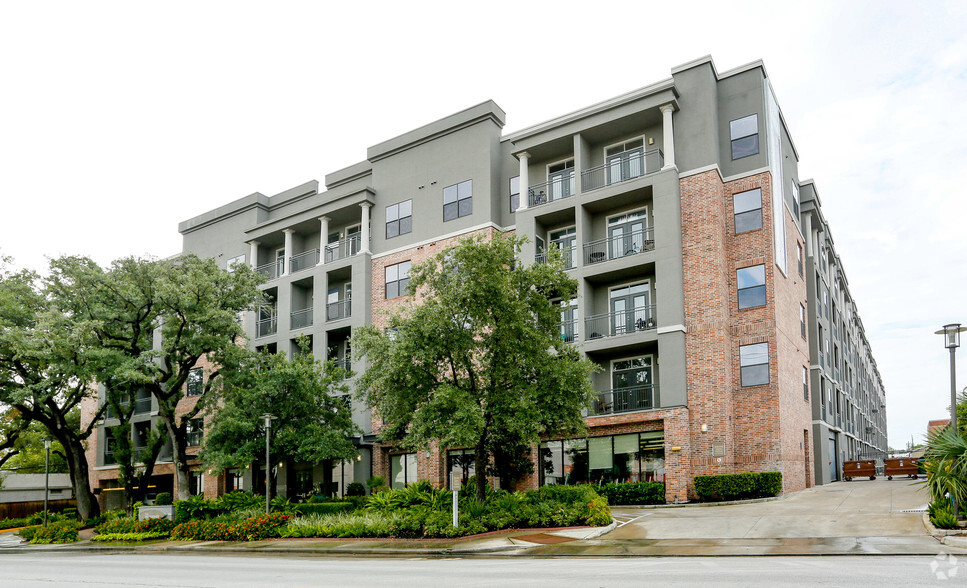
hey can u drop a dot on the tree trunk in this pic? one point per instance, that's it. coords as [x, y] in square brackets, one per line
[87, 505]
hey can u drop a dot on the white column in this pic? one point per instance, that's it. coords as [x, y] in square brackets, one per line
[668, 132]
[288, 251]
[364, 227]
[323, 238]
[524, 182]
[253, 253]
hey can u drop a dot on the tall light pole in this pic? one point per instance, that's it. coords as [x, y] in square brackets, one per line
[46, 477]
[951, 335]
[268, 465]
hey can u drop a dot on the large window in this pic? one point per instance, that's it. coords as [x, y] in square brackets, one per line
[747, 208]
[799, 258]
[402, 470]
[196, 382]
[399, 219]
[745, 136]
[805, 383]
[460, 463]
[633, 457]
[397, 278]
[514, 193]
[802, 320]
[458, 200]
[752, 286]
[194, 432]
[754, 364]
[196, 482]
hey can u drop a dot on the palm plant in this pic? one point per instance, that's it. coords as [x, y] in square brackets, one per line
[946, 466]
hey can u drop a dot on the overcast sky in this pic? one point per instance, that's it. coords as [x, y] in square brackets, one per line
[120, 119]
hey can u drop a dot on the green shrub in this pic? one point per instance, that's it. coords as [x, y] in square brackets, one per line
[27, 533]
[376, 484]
[240, 500]
[63, 532]
[163, 499]
[942, 515]
[633, 493]
[248, 530]
[355, 489]
[738, 486]
[145, 536]
[132, 526]
[14, 523]
[324, 507]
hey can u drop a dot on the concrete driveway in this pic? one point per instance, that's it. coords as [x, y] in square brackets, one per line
[862, 516]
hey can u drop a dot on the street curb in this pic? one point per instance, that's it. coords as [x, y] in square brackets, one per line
[702, 504]
[931, 530]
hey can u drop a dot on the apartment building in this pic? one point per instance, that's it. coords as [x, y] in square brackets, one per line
[700, 254]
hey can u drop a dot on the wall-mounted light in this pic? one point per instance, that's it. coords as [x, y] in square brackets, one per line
[705, 427]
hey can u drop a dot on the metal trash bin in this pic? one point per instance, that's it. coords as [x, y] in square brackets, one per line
[901, 466]
[859, 469]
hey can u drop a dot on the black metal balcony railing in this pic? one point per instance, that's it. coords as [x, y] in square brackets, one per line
[626, 400]
[266, 327]
[626, 168]
[569, 330]
[619, 246]
[300, 319]
[339, 310]
[620, 322]
[568, 258]
[342, 248]
[302, 261]
[271, 270]
[556, 188]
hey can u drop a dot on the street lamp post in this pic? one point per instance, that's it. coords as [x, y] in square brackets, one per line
[46, 477]
[951, 335]
[268, 466]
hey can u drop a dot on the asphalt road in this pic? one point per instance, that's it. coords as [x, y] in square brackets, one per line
[51, 569]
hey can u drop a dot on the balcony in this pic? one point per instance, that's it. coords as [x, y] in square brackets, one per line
[303, 261]
[555, 189]
[629, 399]
[568, 258]
[300, 319]
[272, 270]
[621, 322]
[569, 331]
[339, 310]
[342, 248]
[266, 327]
[622, 169]
[618, 246]
[142, 405]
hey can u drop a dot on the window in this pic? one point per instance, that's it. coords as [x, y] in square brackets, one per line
[233, 262]
[632, 457]
[799, 258]
[802, 320]
[747, 207]
[754, 364]
[234, 480]
[560, 180]
[805, 384]
[745, 136]
[458, 200]
[752, 286]
[194, 432]
[514, 193]
[402, 470]
[795, 199]
[196, 382]
[397, 278]
[196, 483]
[399, 219]
[625, 161]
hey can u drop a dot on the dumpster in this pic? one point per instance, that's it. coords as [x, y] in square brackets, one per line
[905, 466]
[859, 469]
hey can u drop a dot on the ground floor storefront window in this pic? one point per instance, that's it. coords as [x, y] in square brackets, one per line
[402, 470]
[631, 457]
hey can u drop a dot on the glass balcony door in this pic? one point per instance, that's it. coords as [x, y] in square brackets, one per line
[630, 308]
[626, 233]
[631, 381]
[625, 161]
[566, 241]
[560, 178]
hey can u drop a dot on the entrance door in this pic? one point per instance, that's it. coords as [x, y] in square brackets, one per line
[630, 309]
[833, 467]
[354, 237]
[626, 233]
